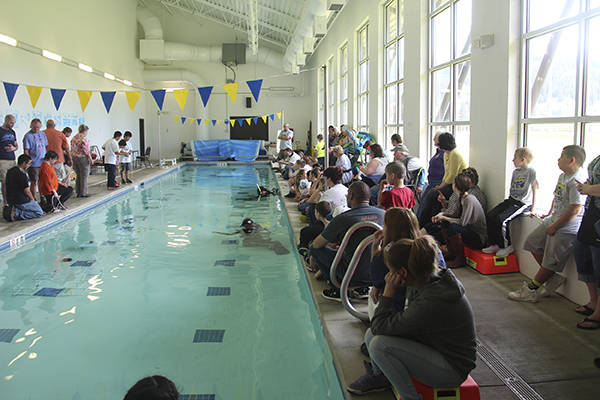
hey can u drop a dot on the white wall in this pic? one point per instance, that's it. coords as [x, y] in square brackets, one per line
[106, 42]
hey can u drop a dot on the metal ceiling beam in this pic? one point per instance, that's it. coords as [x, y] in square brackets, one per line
[279, 12]
[175, 4]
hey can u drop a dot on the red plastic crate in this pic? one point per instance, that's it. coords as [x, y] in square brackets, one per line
[469, 390]
[490, 264]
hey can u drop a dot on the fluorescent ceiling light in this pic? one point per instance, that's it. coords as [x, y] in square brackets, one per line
[8, 40]
[109, 76]
[125, 81]
[86, 68]
[170, 90]
[51, 55]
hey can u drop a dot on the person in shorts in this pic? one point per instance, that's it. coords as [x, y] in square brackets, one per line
[34, 145]
[551, 243]
[126, 160]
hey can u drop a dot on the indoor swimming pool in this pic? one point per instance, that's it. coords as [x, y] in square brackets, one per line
[142, 285]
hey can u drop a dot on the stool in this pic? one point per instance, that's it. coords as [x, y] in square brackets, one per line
[487, 264]
[163, 162]
[469, 390]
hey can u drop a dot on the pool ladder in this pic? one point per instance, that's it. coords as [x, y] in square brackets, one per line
[358, 252]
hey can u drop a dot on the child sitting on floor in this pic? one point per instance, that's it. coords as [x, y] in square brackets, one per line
[393, 193]
[551, 243]
[523, 186]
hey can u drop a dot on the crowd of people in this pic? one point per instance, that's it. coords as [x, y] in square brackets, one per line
[427, 217]
[45, 169]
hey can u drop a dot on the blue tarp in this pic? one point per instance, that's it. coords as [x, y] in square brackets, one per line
[215, 150]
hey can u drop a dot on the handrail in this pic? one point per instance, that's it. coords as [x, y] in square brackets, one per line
[348, 277]
[342, 248]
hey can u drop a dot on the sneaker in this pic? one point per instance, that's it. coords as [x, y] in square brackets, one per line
[493, 249]
[552, 284]
[369, 383]
[332, 294]
[129, 181]
[505, 252]
[360, 293]
[524, 294]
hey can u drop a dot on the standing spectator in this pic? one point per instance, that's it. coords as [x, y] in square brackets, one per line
[55, 192]
[285, 136]
[80, 154]
[8, 146]
[587, 247]
[34, 145]
[126, 160]
[21, 203]
[334, 136]
[111, 151]
[57, 142]
[68, 162]
[319, 150]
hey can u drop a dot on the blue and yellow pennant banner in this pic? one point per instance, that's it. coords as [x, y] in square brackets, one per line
[240, 121]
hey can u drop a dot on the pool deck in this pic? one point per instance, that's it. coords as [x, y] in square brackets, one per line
[536, 344]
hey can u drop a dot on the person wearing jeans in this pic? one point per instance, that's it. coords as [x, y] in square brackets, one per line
[21, 203]
[438, 314]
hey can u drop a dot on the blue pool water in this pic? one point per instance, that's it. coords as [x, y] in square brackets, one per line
[142, 286]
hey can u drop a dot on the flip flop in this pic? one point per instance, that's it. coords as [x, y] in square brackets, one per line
[584, 310]
[590, 328]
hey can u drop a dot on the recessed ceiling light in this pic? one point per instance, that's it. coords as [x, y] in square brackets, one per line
[86, 68]
[51, 55]
[125, 81]
[109, 76]
[8, 40]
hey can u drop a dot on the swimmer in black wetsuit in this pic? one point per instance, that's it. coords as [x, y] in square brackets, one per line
[257, 236]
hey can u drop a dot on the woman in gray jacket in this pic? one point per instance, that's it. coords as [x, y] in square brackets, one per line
[432, 339]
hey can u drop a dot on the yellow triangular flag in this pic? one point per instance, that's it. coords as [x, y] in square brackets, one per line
[177, 118]
[264, 118]
[192, 120]
[84, 98]
[218, 122]
[248, 120]
[34, 94]
[279, 115]
[132, 99]
[232, 121]
[206, 122]
[181, 97]
[231, 89]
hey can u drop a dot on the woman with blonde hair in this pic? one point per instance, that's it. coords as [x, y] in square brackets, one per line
[438, 314]
[343, 161]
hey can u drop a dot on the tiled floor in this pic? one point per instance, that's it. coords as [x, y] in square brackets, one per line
[538, 341]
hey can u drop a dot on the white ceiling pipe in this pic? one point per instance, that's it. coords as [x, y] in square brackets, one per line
[149, 22]
[172, 75]
[312, 9]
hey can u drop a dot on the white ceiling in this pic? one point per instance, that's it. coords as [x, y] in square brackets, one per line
[276, 20]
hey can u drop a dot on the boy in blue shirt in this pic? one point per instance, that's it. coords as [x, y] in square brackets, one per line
[551, 242]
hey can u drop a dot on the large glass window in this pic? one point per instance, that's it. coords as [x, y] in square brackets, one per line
[450, 70]
[343, 86]
[331, 92]
[393, 69]
[363, 79]
[560, 84]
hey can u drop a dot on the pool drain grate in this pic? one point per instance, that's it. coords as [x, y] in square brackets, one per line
[196, 397]
[7, 335]
[225, 263]
[218, 291]
[48, 292]
[209, 335]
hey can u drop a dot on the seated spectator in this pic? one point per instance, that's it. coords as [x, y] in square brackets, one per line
[323, 248]
[551, 243]
[299, 184]
[451, 206]
[290, 159]
[523, 186]
[374, 170]
[435, 171]
[416, 175]
[309, 233]
[393, 193]
[336, 192]
[153, 388]
[467, 229]
[317, 187]
[55, 193]
[20, 200]
[343, 161]
[432, 339]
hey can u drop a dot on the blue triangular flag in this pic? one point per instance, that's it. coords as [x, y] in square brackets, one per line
[205, 93]
[255, 119]
[272, 116]
[198, 121]
[107, 99]
[159, 97]
[57, 96]
[11, 89]
[214, 122]
[183, 120]
[255, 87]
[225, 122]
[240, 121]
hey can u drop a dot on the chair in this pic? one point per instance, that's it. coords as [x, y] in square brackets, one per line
[361, 235]
[97, 158]
[145, 158]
